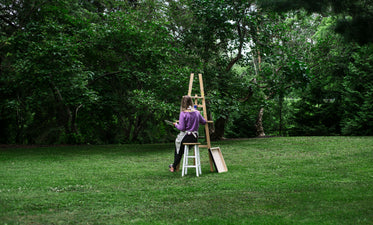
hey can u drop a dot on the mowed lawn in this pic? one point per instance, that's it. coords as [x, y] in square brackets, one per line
[291, 180]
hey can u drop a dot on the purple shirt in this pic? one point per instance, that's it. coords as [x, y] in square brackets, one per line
[189, 121]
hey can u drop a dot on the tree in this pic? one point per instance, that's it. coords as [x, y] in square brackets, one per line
[335, 101]
[354, 16]
[357, 92]
[214, 35]
[280, 55]
[44, 75]
[103, 62]
[111, 71]
[134, 75]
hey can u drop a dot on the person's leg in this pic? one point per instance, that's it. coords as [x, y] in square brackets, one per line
[177, 153]
[177, 157]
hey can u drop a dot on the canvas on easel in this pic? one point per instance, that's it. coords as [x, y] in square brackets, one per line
[218, 159]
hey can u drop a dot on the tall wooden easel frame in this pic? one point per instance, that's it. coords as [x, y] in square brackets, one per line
[215, 156]
[203, 106]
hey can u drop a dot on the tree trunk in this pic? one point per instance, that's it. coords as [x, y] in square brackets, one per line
[218, 131]
[74, 117]
[281, 101]
[64, 115]
[259, 124]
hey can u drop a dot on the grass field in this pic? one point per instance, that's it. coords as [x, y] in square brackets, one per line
[296, 180]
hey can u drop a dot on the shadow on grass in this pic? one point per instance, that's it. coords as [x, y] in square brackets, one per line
[86, 149]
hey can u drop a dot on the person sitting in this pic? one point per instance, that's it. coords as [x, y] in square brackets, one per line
[189, 121]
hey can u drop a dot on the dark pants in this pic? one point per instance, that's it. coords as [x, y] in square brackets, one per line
[187, 139]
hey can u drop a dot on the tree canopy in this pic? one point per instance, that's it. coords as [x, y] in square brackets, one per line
[353, 16]
[111, 71]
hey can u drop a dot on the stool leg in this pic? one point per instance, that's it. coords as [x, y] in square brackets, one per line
[185, 161]
[198, 160]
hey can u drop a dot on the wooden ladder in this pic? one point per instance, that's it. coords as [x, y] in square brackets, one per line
[201, 99]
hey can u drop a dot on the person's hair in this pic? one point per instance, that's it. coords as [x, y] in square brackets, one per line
[186, 101]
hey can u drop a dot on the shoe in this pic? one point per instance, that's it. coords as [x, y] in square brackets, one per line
[171, 168]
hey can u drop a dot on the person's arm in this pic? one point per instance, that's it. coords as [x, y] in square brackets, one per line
[201, 119]
[181, 124]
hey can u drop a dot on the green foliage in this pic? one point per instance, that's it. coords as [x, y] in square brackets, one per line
[279, 64]
[242, 123]
[336, 100]
[318, 111]
[112, 71]
[134, 78]
[354, 16]
[75, 64]
[358, 92]
[45, 74]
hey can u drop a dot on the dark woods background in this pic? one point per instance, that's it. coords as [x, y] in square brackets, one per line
[111, 71]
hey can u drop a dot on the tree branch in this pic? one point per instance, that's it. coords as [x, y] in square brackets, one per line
[2, 17]
[102, 76]
[241, 35]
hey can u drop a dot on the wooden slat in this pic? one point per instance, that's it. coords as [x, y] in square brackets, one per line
[201, 85]
[190, 84]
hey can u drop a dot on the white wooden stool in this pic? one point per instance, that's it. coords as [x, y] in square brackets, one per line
[197, 160]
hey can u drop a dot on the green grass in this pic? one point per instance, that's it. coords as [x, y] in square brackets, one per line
[297, 180]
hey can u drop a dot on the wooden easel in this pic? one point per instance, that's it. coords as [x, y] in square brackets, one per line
[201, 99]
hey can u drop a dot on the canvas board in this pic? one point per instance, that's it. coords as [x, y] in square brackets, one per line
[169, 122]
[218, 160]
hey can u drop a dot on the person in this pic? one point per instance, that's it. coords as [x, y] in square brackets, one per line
[189, 121]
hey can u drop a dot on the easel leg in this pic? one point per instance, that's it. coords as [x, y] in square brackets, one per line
[211, 163]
